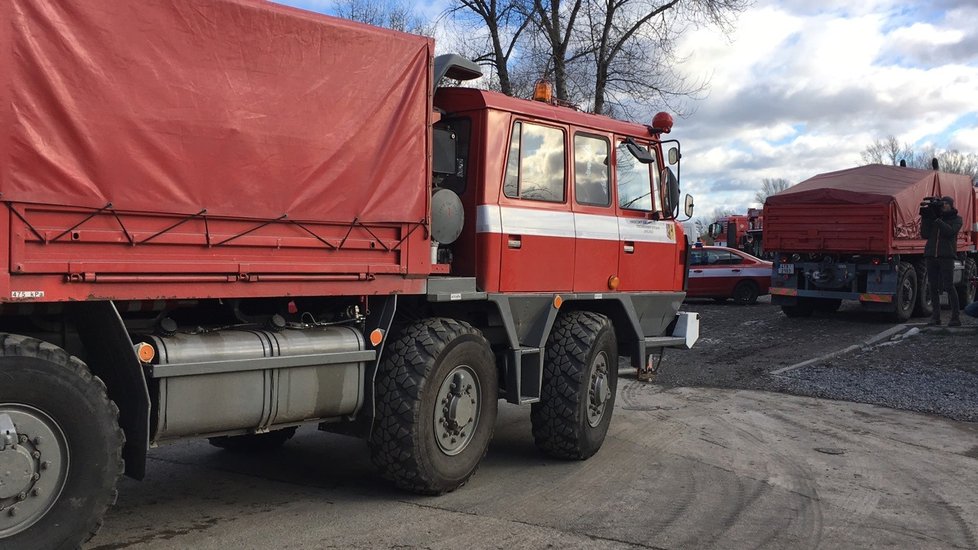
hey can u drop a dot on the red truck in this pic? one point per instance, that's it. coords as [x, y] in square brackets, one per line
[729, 231]
[741, 232]
[855, 235]
[224, 219]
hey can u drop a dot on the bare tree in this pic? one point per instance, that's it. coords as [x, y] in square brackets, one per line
[770, 186]
[556, 21]
[392, 14]
[889, 151]
[504, 21]
[632, 46]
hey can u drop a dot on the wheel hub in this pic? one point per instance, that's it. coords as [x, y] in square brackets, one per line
[457, 410]
[33, 466]
[599, 390]
[16, 471]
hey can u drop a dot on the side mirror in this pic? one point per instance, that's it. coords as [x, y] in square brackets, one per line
[674, 155]
[672, 192]
[640, 153]
[713, 230]
[689, 206]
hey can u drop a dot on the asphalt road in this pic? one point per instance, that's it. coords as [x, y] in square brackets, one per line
[681, 468]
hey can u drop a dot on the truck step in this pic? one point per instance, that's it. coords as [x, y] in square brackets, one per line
[524, 375]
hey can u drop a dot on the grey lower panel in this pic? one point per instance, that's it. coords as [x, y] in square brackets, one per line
[453, 289]
[529, 318]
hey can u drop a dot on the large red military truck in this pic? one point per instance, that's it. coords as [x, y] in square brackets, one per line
[224, 219]
[855, 235]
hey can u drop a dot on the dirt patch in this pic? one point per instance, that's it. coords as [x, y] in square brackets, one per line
[934, 370]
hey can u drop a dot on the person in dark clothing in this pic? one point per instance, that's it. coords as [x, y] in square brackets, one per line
[941, 228]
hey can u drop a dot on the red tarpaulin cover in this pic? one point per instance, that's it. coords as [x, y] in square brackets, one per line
[240, 107]
[875, 184]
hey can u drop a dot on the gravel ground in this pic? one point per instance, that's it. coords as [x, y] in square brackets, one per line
[931, 370]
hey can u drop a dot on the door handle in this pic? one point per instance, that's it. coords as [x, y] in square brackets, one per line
[697, 271]
[735, 270]
[629, 247]
[515, 242]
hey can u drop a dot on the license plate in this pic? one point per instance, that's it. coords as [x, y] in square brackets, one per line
[786, 269]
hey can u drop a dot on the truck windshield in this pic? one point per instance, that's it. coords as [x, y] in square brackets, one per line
[638, 184]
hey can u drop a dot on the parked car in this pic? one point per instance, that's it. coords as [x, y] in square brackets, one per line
[722, 273]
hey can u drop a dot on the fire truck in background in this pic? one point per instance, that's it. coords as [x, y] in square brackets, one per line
[728, 231]
[855, 235]
[738, 231]
[227, 219]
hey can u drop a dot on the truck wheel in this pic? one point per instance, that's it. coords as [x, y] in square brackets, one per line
[803, 308]
[924, 306]
[253, 442]
[579, 381]
[906, 294]
[60, 447]
[966, 290]
[436, 399]
[745, 293]
[826, 305]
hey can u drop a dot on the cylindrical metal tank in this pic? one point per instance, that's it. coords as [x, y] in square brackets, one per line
[234, 380]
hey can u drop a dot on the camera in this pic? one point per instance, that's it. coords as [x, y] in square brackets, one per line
[931, 207]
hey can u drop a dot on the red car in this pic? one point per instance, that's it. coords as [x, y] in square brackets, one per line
[722, 273]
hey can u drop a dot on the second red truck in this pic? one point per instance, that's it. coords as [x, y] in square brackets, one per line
[855, 235]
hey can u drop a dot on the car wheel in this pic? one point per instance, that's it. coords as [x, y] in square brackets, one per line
[745, 293]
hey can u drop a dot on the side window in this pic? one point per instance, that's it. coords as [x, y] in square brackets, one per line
[729, 258]
[591, 158]
[697, 257]
[634, 183]
[712, 257]
[535, 168]
[461, 127]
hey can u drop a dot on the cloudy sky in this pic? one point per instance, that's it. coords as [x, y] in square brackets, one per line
[801, 87]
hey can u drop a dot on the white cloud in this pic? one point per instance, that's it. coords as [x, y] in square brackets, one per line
[800, 88]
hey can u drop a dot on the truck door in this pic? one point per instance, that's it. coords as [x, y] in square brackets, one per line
[595, 224]
[647, 255]
[536, 223]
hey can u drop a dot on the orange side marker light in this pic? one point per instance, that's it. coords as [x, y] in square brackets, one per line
[145, 352]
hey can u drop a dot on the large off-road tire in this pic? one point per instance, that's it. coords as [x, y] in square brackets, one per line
[804, 307]
[436, 403]
[579, 381]
[60, 472]
[826, 305]
[268, 441]
[966, 290]
[745, 293]
[924, 306]
[905, 299]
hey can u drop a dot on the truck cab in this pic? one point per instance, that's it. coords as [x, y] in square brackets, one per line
[557, 200]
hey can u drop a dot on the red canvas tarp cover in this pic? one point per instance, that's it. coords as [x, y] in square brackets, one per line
[245, 108]
[875, 184]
